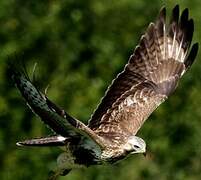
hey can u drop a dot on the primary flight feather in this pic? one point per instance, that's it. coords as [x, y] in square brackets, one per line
[151, 75]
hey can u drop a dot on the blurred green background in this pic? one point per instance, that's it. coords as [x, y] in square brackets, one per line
[80, 46]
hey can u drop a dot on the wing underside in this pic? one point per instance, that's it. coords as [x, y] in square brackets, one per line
[151, 75]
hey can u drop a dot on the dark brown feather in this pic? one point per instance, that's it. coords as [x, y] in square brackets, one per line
[192, 55]
[150, 76]
[53, 116]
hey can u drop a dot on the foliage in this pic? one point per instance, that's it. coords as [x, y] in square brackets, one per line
[80, 46]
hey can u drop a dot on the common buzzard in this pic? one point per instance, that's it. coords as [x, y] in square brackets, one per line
[163, 55]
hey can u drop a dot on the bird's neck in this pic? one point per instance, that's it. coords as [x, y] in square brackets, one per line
[113, 155]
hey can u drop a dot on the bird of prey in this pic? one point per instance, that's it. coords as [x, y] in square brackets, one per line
[151, 75]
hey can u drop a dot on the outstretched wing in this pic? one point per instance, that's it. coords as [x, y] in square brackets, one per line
[53, 116]
[150, 76]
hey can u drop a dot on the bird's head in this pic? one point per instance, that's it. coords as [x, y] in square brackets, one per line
[135, 145]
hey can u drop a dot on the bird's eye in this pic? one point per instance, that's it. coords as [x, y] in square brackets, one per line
[136, 146]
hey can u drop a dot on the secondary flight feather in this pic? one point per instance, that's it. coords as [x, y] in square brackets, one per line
[163, 55]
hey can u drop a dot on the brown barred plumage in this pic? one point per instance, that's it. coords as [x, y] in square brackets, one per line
[151, 75]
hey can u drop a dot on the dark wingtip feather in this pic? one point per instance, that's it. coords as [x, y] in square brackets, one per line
[184, 18]
[16, 67]
[190, 31]
[161, 21]
[176, 7]
[162, 14]
[175, 14]
[173, 27]
[191, 24]
[192, 55]
[16, 71]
